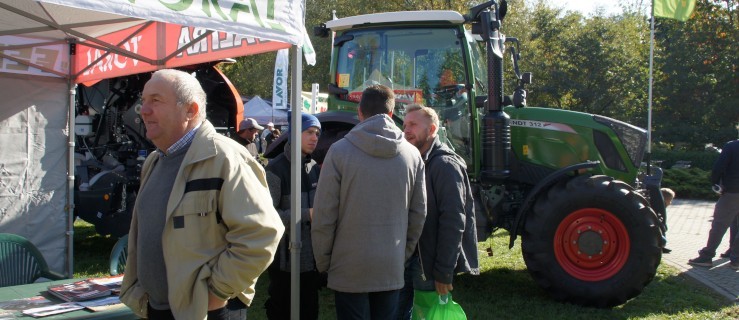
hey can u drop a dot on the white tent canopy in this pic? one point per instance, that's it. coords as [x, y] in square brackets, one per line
[40, 63]
[263, 112]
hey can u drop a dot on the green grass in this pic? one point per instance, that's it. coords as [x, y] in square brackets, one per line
[504, 290]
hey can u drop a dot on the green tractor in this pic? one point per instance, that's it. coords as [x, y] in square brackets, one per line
[566, 182]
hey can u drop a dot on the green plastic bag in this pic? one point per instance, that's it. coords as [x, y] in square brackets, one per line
[446, 309]
[428, 305]
[422, 302]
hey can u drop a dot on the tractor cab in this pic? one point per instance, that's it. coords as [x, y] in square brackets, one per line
[424, 57]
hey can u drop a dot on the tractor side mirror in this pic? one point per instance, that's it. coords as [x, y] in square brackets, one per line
[321, 31]
[527, 77]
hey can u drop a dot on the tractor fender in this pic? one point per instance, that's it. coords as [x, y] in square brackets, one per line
[544, 185]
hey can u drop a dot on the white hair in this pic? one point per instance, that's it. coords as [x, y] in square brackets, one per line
[187, 89]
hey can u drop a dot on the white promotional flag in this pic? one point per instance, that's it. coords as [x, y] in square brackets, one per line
[308, 52]
[279, 89]
[267, 19]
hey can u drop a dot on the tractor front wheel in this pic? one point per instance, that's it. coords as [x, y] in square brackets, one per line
[593, 241]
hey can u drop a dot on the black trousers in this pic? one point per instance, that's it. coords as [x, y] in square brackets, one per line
[234, 310]
[278, 303]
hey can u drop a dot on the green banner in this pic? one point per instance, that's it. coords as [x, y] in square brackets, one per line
[674, 9]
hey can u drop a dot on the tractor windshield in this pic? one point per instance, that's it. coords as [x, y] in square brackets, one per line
[421, 65]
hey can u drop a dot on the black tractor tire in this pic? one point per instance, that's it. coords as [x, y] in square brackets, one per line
[592, 241]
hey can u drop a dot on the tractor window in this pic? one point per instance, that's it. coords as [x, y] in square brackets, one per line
[479, 59]
[421, 65]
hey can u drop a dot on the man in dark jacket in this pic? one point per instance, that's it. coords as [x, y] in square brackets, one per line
[278, 178]
[369, 211]
[448, 243]
[725, 178]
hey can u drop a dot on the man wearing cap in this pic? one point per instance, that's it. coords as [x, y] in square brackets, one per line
[278, 178]
[263, 136]
[247, 135]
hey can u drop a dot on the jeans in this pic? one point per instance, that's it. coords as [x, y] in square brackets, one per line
[366, 306]
[234, 310]
[278, 303]
[724, 215]
[413, 280]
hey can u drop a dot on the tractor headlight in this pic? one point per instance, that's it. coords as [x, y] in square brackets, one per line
[634, 139]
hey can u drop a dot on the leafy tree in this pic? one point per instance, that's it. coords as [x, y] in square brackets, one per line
[593, 65]
[697, 90]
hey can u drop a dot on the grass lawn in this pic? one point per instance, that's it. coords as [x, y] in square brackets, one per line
[504, 290]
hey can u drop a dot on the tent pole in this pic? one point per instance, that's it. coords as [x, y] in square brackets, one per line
[649, 103]
[70, 162]
[295, 183]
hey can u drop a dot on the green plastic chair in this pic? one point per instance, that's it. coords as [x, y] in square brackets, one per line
[21, 262]
[118, 256]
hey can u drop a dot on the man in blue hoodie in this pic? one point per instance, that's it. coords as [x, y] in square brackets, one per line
[278, 178]
[725, 178]
[369, 211]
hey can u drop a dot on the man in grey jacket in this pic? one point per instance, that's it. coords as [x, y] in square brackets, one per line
[448, 244]
[369, 211]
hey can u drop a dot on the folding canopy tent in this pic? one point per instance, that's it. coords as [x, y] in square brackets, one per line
[48, 46]
[264, 112]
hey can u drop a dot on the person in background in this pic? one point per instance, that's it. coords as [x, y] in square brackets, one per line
[203, 228]
[247, 135]
[263, 137]
[448, 243]
[272, 137]
[369, 211]
[278, 177]
[668, 195]
[725, 179]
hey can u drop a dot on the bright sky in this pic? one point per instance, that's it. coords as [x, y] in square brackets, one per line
[588, 7]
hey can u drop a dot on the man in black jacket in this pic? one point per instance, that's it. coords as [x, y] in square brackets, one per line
[448, 243]
[278, 178]
[725, 179]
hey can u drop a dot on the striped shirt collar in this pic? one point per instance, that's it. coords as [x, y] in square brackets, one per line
[184, 141]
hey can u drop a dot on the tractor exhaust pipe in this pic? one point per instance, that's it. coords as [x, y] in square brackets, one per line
[496, 129]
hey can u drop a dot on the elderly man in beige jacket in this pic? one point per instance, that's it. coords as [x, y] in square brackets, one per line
[203, 226]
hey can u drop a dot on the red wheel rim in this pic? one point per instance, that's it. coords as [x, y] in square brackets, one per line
[591, 244]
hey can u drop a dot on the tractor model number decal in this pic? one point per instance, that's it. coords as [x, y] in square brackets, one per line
[542, 125]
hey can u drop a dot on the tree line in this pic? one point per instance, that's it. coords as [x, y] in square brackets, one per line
[597, 64]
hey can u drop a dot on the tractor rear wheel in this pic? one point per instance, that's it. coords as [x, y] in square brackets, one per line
[592, 241]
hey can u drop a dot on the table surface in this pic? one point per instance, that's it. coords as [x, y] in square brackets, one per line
[35, 289]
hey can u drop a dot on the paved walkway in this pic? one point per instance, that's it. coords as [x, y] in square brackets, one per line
[688, 223]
